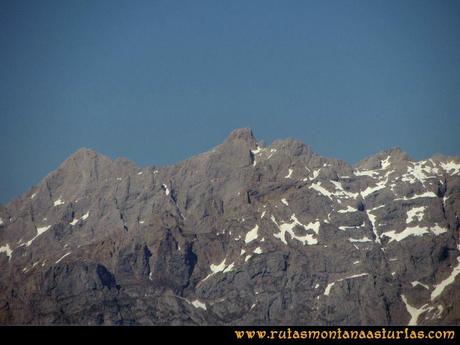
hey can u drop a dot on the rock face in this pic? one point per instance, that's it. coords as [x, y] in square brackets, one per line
[243, 234]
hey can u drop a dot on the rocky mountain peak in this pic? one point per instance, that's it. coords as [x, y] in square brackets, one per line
[83, 158]
[242, 134]
[292, 146]
[396, 154]
[384, 159]
[244, 234]
[83, 154]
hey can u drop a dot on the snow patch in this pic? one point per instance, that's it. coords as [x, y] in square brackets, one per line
[355, 276]
[372, 219]
[376, 208]
[7, 250]
[284, 201]
[289, 228]
[416, 214]
[362, 239]
[315, 175]
[328, 288]
[439, 288]
[451, 167]
[219, 267]
[413, 231]
[416, 196]
[222, 267]
[330, 285]
[345, 228]
[415, 283]
[410, 231]
[76, 220]
[418, 171]
[257, 150]
[369, 173]
[62, 257]
[229, 267]
[317, 186]
[272, 151]
[198, 304]
[437, 230]
[369, 190]
[166, 189]
[289, 174]
[385, 163]
[251, 235]
[415, 312]
[341, 192]
[58, 202]
[40, 231]
[349, 209]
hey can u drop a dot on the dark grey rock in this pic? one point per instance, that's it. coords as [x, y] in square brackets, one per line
[243, 234]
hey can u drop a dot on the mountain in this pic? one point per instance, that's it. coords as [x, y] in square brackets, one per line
[242, 234]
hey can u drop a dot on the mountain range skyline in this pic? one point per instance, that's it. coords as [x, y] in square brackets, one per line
[243, 234]
[161, 81]
[262, 142]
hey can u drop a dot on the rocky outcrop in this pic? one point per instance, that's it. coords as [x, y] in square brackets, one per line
[242, 234]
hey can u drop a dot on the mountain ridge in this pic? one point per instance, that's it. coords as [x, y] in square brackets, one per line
[240, 234]
[89, 151]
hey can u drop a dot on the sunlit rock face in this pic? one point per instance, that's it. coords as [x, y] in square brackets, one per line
[242, 234]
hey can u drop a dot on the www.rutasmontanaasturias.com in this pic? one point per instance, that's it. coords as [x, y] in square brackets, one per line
[382, 334]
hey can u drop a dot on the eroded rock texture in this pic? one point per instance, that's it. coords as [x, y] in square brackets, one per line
[243, 234]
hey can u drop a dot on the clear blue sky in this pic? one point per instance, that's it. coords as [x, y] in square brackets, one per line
[159, 81]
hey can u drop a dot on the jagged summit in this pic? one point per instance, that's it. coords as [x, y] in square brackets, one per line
[82, 158]
[242, 134]
[247, 141]
[83, 153]
[395, 153]
[243, 234]
[384, 158]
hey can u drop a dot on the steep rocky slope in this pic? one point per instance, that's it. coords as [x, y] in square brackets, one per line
[242, 234]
